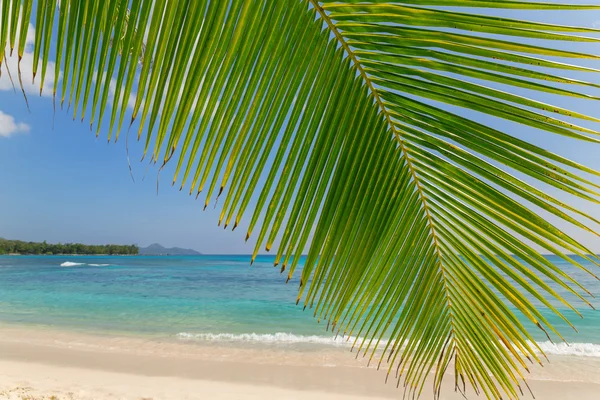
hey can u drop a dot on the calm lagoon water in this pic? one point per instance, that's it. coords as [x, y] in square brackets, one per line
[195, 298]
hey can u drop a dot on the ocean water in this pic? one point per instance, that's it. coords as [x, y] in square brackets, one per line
[200, 299]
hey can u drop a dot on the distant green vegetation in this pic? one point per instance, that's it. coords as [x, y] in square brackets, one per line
[20, 247]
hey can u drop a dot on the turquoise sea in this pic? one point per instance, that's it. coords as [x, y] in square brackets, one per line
[196, 298]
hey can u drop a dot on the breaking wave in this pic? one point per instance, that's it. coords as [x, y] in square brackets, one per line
[71, 264]
[278, 337]
[572, 349]
[75, 264]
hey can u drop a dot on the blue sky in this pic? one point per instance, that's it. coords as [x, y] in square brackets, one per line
[61, 184]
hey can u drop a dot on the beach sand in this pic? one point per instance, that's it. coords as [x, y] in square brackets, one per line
[39, 363]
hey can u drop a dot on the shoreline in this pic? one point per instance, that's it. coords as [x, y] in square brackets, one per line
[70, 255]
[41, 362]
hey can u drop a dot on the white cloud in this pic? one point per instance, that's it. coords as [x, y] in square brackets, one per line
[113, 90]
[9, 127]
[26, 70]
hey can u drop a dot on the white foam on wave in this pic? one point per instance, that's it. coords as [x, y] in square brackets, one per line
[70, 264]
[572, 349]
[279, 337]
[75, 264]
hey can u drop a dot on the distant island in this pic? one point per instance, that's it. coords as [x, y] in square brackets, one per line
[19, 247]
[43, 248]
[156, 249]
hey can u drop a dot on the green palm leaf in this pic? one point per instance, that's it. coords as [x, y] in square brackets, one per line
[413, 212]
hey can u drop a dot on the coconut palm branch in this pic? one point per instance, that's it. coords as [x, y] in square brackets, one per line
[350, 128]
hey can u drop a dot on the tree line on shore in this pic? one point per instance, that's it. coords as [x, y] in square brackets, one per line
[20, 247]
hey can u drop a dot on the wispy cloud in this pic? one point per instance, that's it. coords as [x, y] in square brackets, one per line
[9, 127]
[113, 92]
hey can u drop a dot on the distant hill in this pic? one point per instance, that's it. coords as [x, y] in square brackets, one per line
[156, 249]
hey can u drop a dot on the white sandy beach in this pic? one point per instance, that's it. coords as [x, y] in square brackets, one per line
[45, 364]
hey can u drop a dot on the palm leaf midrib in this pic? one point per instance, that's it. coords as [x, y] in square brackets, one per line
[398, 138]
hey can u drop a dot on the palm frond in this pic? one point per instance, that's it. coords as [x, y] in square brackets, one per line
[423, 224]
